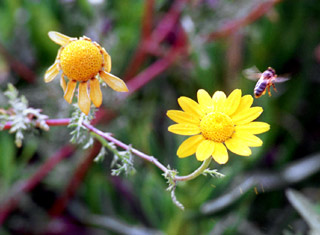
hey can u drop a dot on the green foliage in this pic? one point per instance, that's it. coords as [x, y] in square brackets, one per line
[7, 164]
[287, 38]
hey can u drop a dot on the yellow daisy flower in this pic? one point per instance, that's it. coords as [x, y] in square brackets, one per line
[82, 60]
[216, 124]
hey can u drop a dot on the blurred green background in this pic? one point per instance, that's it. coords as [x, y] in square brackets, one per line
[251, 199]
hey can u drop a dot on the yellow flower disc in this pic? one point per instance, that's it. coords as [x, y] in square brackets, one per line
[81, 60]
[217, 126]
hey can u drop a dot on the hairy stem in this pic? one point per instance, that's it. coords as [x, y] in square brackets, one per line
[98, 134]
[196, 173]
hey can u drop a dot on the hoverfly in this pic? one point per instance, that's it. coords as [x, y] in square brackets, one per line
[265, 80]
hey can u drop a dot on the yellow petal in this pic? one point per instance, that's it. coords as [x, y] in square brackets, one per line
[220, 153]
[253, 127]
[60, 38]
[189, 146]
[184, 129]
[63, 83]
[114, 82]
[52, 72]
[107, 60]
[190, 106]
[245, 103]
[204, 150]
[219, 99]
[249, 139]
[205, 101]
[71, 87]
[182, 117]
[83, 99]
[232, 102]
[237, 146]
[95, 92]
[247, 116]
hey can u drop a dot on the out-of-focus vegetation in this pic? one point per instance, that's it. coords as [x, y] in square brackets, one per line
[251, 199]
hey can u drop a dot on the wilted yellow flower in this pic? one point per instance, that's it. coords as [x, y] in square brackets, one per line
[216, 124]
[82, 60]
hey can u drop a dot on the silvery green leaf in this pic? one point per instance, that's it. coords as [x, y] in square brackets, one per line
[305, 209]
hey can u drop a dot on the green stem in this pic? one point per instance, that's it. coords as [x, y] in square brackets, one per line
[105, 144]
[196, 173]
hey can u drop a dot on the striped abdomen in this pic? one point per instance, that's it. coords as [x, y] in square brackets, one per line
[260, 87]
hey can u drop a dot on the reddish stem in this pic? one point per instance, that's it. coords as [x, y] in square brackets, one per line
[147, 19]
[7, 206]
[235, 25]
[58, 122]
[159, 66]
[149, 73]
[140, 54]
[135, 63]
[164, 27]
[168, 22]
[50, 122]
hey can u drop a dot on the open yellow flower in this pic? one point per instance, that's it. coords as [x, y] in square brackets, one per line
[82, 60]
[216, 124]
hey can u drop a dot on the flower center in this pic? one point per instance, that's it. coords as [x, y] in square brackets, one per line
[217, 127]
[81, 60]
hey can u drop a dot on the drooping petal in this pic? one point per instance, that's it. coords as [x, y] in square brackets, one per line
[63, 83]
[190, 106]
[114, 82]
[249, 139]
[60, 38]
[237, 146]
[52, 72]
[247, 116]
[205, 101]
[83, 99]
[245, 103]
[184, 129]
[220, 153]
[253, 127]
[189, 146]
[107, 60]
[219, 99]
[232, 102]
[204, 150]
[182, 117]
[95, 92]
[71, 87]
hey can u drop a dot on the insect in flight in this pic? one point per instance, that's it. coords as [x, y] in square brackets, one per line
[265, 80]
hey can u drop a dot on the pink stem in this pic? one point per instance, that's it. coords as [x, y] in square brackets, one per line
[50, 122]
[164, 27]
[125, 146]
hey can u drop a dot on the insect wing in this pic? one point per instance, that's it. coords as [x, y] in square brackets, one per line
[280, 79]
[252, 73]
